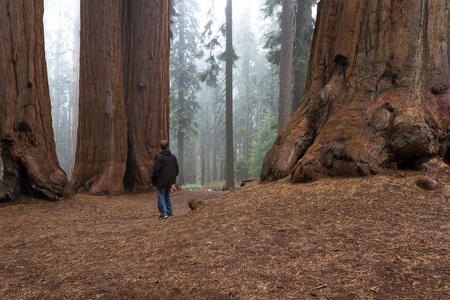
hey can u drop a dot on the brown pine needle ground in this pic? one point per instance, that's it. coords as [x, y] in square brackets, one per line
[378, 237]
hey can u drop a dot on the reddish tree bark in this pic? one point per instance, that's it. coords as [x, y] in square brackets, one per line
[102, 129]
[124, 94]
[287, 42]
[28, 158]
[147, 85]
[377, 93]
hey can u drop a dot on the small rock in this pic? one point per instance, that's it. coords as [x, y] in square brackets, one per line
[428, 183]
[195, 203]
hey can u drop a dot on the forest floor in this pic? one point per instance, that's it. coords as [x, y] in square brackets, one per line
[379, 237]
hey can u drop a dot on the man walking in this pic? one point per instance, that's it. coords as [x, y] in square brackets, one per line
[165, 172]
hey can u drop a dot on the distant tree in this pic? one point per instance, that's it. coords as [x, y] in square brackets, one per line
[215, 77]
[212, 127]
[60, 19]
[229, 180]
[76, 94]
[273, 37]
[28, 161]
[377, 94]
[304, 25]
[266, 134]
[303, 28]
[185, 81]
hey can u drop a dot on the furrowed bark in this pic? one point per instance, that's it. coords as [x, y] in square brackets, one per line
[28, 162]
[377, 93]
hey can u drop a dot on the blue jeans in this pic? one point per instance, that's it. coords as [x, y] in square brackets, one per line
[164, 201]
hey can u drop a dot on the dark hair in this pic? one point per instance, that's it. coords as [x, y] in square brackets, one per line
[164, 144]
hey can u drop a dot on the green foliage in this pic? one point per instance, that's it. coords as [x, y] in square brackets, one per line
[303, 30]
[214, 42]
[184, 75]
[266, 134]
[192, 187]
[239, 164]
[214, 185]
[270, 7]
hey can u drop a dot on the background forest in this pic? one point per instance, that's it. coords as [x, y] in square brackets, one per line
[197, 92]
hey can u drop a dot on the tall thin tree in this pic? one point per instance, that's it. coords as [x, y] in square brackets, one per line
[184, 79]
[229, 180]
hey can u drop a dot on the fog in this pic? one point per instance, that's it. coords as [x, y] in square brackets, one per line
[255, 88]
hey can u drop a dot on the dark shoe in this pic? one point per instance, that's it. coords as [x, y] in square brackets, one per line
[171, 214]
[162, 217]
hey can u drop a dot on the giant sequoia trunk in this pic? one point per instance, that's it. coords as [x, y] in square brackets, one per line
[124, 93]
[101, 147]
[377, 93]
[28, 160]
[147, 86]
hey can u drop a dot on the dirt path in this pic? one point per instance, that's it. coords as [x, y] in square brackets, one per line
[365, 238]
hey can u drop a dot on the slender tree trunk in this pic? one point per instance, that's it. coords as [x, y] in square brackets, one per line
[208, 163]
[203, 163]
[56, 75]
[229, 97]
[181, 101]
[28, 160]
[247, 114]
[180, 150]
[194, 163]
[377, 94]
[214, 155]
[287, 40]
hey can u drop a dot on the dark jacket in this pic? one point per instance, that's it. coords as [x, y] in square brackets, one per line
[165, 170]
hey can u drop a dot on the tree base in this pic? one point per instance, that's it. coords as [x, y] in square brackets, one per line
[9, 177]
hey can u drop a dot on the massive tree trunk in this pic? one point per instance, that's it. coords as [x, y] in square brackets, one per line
[377, 93]
[302, 49]
[28, 160]
[147, 85]
[124, 94]
[102, 130]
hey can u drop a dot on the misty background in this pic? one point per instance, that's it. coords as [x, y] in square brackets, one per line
[197, 124]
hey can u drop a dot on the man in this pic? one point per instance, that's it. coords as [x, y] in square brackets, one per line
[165, 172]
